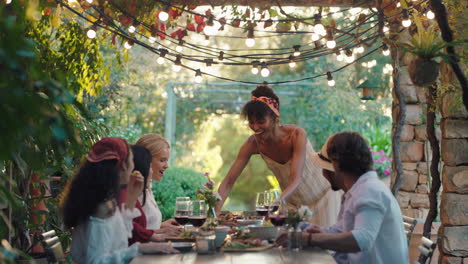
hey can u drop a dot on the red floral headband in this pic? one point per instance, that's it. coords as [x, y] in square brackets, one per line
[270, 102]
[109, 148]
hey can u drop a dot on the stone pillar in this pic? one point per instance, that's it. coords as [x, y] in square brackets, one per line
[413, 194]
[453, 233]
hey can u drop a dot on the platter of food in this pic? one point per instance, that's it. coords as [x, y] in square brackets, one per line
[246, 245]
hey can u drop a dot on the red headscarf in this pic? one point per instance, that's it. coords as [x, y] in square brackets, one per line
[109, 148]
[270, 102]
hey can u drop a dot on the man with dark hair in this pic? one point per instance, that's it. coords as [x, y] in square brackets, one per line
[369, 228]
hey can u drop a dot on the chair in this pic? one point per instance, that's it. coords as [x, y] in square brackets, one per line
[53, 247]
[410, 224]
[426, 249]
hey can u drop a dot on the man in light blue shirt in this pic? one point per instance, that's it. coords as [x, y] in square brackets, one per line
[369, 227]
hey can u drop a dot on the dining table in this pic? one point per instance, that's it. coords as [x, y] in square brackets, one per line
[269, 256]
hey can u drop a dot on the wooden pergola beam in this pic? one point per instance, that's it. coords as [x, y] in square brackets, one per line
[266, 3]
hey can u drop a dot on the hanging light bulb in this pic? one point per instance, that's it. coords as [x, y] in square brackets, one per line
[180, 45]
[198, 76]
[250, 41]
[163, 15]
[339, 56]
[430, 14]
[210, 29]
[292, 63]
[254, 69]
[406, 22]
[221, 57]
[162, 54]
[8, 2]
[297, 51]
[385, 50]
[359, 49]
[331, 82]
[318, 27]
[89, 1]
[177, 64]
[131, 29]
[208, 68]
[128, 44]
[331, 43]
[265, 72]
[385, 29]
[318, 44]
[151, 39]
[349, 56]
[91, 32]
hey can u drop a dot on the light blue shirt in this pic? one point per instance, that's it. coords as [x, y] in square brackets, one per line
[372, 214]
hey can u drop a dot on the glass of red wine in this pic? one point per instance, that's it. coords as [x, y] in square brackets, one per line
[198, 212]
[273, 197]
[278, 213]
[182, 210]
[261, 204]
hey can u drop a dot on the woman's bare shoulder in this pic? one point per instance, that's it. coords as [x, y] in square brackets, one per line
[294, 129]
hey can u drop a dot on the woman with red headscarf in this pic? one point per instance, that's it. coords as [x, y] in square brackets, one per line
[90, 206]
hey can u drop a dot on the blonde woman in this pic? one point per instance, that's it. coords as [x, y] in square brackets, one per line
[160, 151]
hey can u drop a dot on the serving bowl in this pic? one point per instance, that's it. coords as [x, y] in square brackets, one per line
[264, 232]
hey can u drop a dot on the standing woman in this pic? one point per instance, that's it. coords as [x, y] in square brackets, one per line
[160, 151]
[100, 228]
[287, 153]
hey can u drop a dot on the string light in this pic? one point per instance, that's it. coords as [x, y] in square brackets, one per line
[292, 63]
[315, 37]
[406, 22]
[349, 56]
[91, 32]
[331, 43]
[385, 50]
[180, 45]
[89, 1]
[339, 56]
[254, 69]
[297, 52]
[162, 54]
[131, 29]
[265, 72]
[318, 27]
[385, 29]
[208, 68]
[250, 41]
[331, 82]
[177, 64]
[210, 29]
[318, 44]
[163, 15]
[359, 49]
[128, 44]
[221, 57]
[151, 39]
[198, 76]
[430, 14]
[8, 2]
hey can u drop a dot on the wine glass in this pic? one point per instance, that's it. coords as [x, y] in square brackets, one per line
[182, 210]
[278, 213]
[274, 195]
[198, 212]
[261, 204]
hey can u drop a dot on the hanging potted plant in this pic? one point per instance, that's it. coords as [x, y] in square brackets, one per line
[425, 45]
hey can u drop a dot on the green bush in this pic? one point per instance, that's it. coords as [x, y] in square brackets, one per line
[177, 182]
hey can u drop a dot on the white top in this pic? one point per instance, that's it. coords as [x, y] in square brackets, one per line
[151, 209]
[313, 190]
[372, 214]
[102, 241]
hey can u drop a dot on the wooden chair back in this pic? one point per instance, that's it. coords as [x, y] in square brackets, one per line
[53, 247]
[410, 224]
[426, 250]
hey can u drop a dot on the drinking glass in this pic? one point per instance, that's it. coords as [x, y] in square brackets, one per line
[274, 195]
[198, 212]
[278, 213]
[261, 204]
[182, 210]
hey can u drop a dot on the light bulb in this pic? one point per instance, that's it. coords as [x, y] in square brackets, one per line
[152, 39]
[386, 52]
[8, 2]
[296, 53]
[430, 14]
[349, 59]
[250, 42]
[339, 57]
[160, 60]
[91, 33]
[331, 82]
[210, 30]
[179, 48]
[385, 29]
[131, 29]
[265, 72]
[198, 79]
[292, 64]
[89, 1]
[163, 16]
[254, 70]
[406, 22]
[128, 45]
[331, 44]
[176, 68]
[315, 37]
[319, 29]
[359, 49]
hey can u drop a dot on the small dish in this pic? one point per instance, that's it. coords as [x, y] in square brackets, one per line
[182, 246]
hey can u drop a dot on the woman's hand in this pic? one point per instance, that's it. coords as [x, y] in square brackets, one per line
[158, 237]
[170, 222]
[171, 230]
[151, 248]
[134, 189]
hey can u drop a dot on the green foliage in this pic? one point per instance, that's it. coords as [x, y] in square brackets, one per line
[177, 182]
[378, 136]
